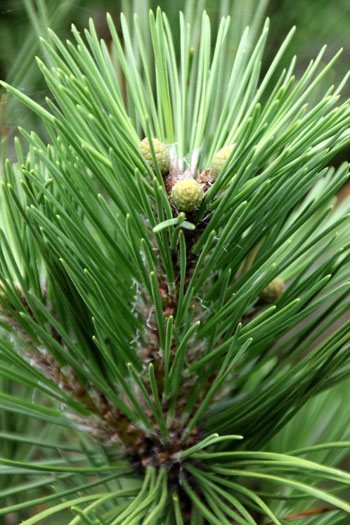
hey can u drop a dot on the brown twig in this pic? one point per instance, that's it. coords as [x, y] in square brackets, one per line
[305, 514]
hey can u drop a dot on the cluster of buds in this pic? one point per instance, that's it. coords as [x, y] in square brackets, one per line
[186, 193]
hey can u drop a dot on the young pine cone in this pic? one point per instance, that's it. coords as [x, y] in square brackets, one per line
[161, 153]
[219, 160]
[187, 195]
[273, 291]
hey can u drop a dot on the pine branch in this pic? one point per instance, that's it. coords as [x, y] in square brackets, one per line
[173, 273]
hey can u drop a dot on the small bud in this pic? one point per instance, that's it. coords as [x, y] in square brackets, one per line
[273, 291]
[219, 160]
[187, 195]
[161, 153]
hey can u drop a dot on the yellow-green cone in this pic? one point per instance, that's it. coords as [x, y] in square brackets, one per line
[219, 160]
[187, 195]
[161, 152]
[273, 291]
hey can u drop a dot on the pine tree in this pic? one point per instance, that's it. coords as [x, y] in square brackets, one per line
[173, 271]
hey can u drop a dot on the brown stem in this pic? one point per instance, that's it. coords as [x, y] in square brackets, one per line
[305, 514]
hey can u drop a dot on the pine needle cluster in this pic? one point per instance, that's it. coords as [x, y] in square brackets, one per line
[173, 271]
